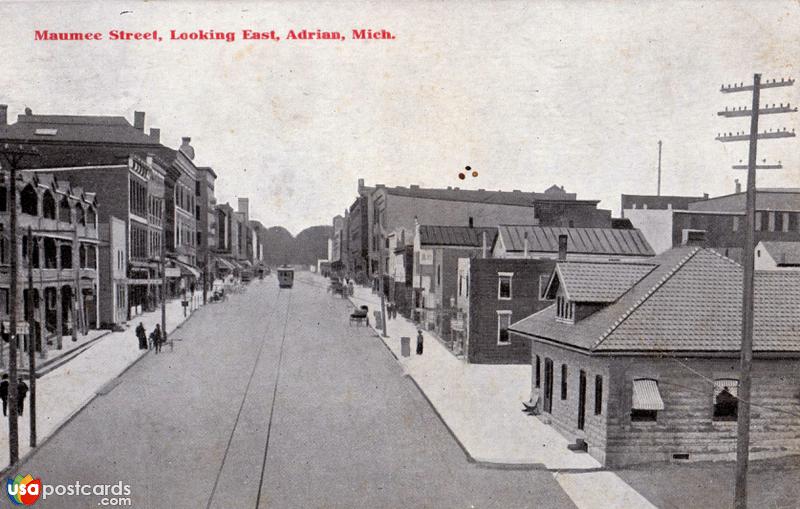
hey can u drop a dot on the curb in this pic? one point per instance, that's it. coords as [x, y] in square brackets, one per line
[32, 452]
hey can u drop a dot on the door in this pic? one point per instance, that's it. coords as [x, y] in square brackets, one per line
[582, 400]
[548, 386]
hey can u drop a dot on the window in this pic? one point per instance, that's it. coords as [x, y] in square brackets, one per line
[471, 221]
[563, 381]
[736, 223]
[565, 310]
[503, 323]
[3, 198]
[91, 217]
[758, 221]
[29, 201]
[438, 275]
[598, 395]
[504, 285]
[48, 205]
[538, 377]
[646, 400]
[726, 401]
[64, 211]
[785, 222]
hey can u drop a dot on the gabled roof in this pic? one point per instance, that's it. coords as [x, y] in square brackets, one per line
[603, 241]
[784, 253]
[463, 236]
[597, 282]
[690, 302]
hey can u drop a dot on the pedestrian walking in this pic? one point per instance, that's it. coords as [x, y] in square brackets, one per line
[22, 391]
[156, 338]
[420, 340]
[141, 334]
[4, 393]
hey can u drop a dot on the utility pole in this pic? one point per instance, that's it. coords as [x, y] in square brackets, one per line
[31, 341]
[744, 390]
[381, 265]
[163, 285]
[658, 192]
[13, 156]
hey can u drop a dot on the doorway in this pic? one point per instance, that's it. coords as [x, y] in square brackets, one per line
[548, 385]
[582, 400]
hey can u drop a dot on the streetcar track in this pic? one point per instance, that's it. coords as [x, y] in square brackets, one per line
[272, 405]
[244, 396]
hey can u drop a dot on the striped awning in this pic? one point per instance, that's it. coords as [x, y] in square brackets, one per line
[731, 383]
[646, 395]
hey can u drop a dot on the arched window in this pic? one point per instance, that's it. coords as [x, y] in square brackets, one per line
[64, 211]
[48, 205]
[29, 201]
[91, 217]
[80, 216]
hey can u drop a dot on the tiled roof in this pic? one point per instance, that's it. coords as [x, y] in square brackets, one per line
[690, 302]
[519, 198]
[605, 241]
[784, 253]
[75, 128]
[599, 282]
[456, 235]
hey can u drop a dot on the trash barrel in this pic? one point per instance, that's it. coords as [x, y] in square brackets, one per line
[405, 346]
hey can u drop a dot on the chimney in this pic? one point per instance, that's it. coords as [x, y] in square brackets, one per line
[738, 186]
[705, 196]
[485, 247]
[186, 148]
[155, 134]
[525, 245]
[3, 114]
[244, 208]
[138, 120]
[562, 247]
[360, 184]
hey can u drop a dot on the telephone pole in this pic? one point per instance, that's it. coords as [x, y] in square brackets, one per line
[31, 341]
[12, 157]
[745, 382]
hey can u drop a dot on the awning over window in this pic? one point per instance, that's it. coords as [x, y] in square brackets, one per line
[731, 384]
[224, 264]
[646, 395]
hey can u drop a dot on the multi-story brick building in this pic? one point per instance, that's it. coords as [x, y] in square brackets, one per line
[62, 220]
[206, 218]
[494, 292]
[638, 362]
[719, 221]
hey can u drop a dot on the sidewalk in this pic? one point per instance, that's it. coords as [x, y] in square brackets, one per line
[481, 404]
[64, 391]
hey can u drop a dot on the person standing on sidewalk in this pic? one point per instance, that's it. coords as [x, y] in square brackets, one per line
[141, 334]
[156, 336]
[420, 340]
[4, 393]
[22, 391]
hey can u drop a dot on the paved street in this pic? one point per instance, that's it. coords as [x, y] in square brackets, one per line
[196, 427]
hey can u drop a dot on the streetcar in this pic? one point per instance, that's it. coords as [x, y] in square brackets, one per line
[285, 277]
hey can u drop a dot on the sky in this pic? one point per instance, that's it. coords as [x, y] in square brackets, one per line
[528, 94]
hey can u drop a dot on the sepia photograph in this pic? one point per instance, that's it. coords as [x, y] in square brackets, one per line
[473, 254]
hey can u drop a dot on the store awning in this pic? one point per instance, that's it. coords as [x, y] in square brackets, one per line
[222, 263]
[646, 395]
[187, 270]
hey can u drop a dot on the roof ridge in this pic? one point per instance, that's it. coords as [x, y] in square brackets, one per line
[646, 296]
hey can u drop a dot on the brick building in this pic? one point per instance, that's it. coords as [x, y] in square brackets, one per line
[639, 362]
[63, 222]
[494, 292]
[719, 221]
[206, 222]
